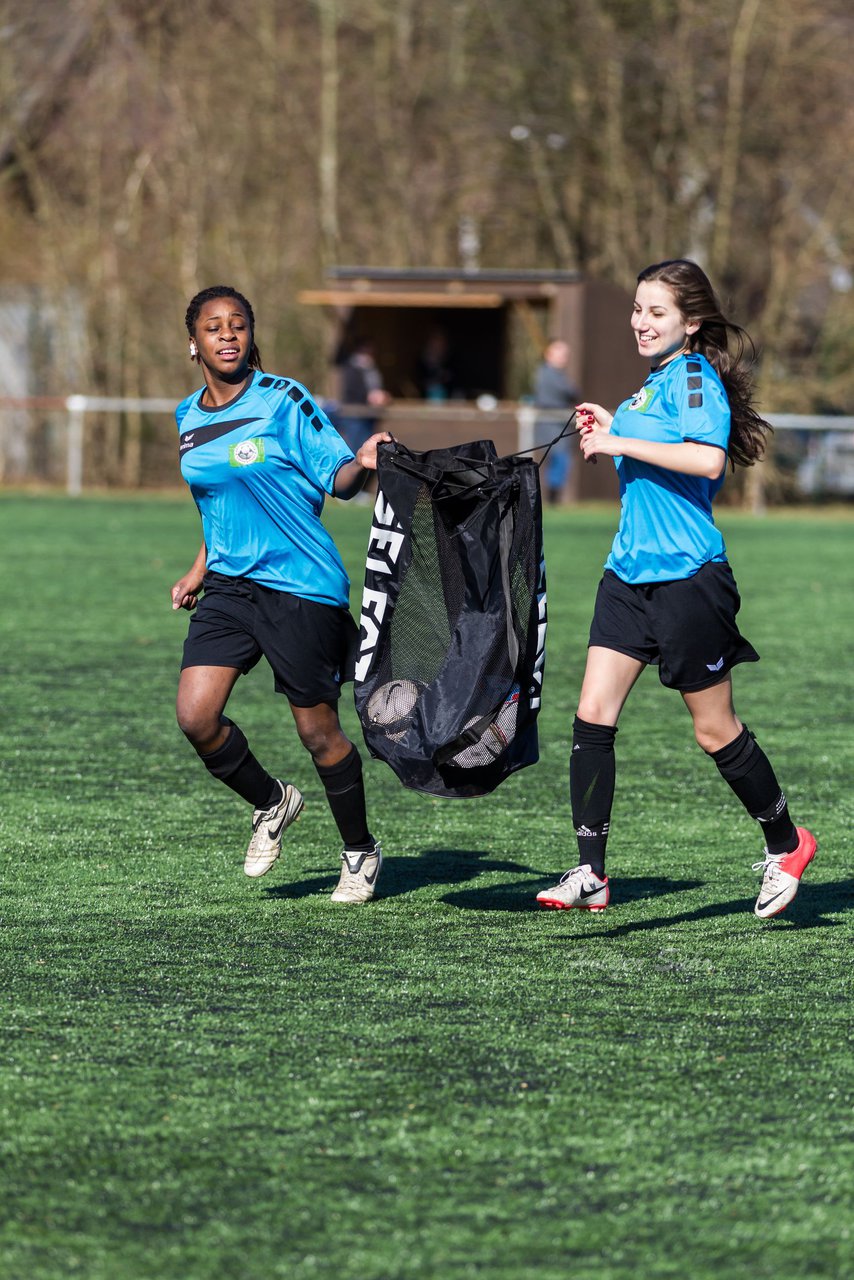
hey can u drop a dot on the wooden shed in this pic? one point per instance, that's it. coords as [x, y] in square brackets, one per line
[494, 325]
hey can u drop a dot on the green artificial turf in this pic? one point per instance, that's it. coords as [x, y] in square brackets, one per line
[204, 1076]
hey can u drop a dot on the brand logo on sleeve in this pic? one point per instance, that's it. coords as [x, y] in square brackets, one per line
[246, 452]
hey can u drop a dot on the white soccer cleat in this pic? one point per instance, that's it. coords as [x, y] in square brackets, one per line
[782, 876]
[579, 887]
[268, 827]
[359, 874]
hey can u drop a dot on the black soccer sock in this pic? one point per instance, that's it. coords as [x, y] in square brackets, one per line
[345, 792]
[748, 771]
[234, 764]
[592, 774]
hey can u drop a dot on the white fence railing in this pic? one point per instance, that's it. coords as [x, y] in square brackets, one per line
[828, 467]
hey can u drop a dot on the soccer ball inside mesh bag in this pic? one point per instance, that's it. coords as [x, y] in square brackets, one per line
[390, 707]
[496, 737]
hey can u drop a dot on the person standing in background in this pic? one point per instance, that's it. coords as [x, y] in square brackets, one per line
[361, 385]
[554, 390]
[435, 375]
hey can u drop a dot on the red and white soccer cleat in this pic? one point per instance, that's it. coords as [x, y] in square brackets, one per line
[579, 887]
[782, 876]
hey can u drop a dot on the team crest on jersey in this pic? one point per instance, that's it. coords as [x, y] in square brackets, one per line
[642, 399]
[247, 452]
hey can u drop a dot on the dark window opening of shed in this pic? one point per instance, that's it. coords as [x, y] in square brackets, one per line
[434, 353]
[486, 331]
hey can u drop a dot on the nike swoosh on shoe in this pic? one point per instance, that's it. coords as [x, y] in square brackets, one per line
[767, 902]
[275, 832]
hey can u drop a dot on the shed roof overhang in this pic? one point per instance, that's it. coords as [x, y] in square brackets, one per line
[434, 287]
[396, 298]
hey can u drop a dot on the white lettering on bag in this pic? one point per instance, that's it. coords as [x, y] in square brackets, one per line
[542, 619]
[384, 546]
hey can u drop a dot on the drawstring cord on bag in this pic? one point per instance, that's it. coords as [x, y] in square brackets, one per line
[477, 465]
[564, 434]
[432, 477]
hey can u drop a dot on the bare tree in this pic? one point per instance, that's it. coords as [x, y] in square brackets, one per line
[146, 153]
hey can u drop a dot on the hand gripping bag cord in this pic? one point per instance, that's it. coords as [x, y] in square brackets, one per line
[452, 647]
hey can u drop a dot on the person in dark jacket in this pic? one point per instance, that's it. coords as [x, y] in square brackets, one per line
[361, 385]
[554, 390]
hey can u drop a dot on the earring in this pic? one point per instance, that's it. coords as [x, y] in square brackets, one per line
[194, 351]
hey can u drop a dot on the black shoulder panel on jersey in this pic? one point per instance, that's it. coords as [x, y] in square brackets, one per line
[296, 394]
[277, 384]
[309, 408]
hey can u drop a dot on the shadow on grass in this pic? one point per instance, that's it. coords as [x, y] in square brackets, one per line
[815, 901]
[402, 875]
[520, 896]
[809, 910]
[405, 875]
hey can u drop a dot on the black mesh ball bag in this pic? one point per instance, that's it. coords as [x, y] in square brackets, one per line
[453, 626]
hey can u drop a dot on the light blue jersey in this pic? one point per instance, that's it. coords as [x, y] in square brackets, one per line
[258, 468]
[666, 530]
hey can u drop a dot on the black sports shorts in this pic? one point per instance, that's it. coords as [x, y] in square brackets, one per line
[311, 647]
[686, 628]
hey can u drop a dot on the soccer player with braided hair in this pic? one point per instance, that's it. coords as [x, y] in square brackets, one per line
[668, 596]
[259, 456]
